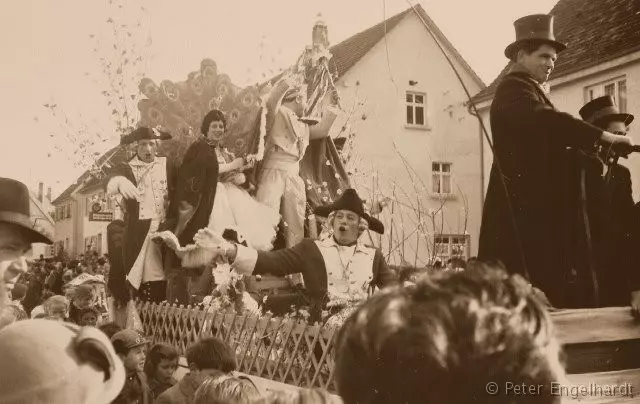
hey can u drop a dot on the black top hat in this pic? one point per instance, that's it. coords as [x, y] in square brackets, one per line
[142, 133]
[14, 208]
[537, 27]
[603, 110]
[351, 201]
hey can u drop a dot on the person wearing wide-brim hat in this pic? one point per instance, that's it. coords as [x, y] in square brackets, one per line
[338, 267]
[17, 233]
[143, 182]
[611, 207]
[523, 219]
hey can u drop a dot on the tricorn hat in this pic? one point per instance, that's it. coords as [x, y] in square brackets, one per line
[603, 110]
[143, 133]
[536, 27]
[351, 201]
[14, 208]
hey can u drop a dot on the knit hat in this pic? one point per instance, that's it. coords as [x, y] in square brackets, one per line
[46, 361]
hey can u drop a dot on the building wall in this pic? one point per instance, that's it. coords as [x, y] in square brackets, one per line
[393, 160]
[42, 220]
[65, 227]
[97, 230]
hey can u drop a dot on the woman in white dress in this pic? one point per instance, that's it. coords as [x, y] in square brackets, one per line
[233, 207]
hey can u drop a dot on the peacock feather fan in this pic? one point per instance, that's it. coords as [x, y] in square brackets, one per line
[180, 107]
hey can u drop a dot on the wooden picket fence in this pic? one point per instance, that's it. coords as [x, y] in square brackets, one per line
[283, 350]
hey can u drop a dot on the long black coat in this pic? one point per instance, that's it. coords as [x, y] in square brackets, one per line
[531, 139]
[620, 274]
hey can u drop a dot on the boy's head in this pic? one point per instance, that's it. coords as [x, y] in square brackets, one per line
[56, 307]
[83, 296]
[445, 339]
[211, 354]
[131, 348]
[89, 316]
[162, 362]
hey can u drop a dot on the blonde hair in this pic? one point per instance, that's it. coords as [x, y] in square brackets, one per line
[56, 306]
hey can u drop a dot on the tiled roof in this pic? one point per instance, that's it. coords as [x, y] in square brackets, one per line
[349, 52]
[594, 31]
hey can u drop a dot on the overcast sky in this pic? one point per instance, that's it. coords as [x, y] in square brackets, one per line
[47, 53]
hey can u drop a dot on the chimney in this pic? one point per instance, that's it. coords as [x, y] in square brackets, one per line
[40, 191]
[49, 194]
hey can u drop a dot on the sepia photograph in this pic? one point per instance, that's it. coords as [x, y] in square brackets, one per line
[296, 201]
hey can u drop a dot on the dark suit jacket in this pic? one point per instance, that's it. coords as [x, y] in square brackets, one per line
[306, 258]
[531, 139]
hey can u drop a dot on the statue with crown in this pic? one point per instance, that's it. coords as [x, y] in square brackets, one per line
[252, 163]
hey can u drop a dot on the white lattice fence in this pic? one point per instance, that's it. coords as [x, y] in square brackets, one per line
[279, 349]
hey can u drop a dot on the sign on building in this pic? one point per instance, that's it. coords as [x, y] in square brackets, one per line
[101, 216]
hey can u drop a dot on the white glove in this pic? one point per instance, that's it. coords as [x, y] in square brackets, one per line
[127, 189]
[209, 240]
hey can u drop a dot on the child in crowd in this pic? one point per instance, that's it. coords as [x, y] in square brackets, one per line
[207, 357]
[56, 308]
[160, 367]
[226, 389]
[131, 348]
[89, 316]
[82, 297]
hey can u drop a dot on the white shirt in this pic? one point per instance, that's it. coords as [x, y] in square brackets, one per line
[152, 186]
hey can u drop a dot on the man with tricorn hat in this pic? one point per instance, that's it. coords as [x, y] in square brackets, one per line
[522, 224]
[337, 267]
[17, 233]
[143, 182]
[605, 187]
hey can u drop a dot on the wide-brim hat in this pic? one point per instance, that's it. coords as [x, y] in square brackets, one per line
[536, 27]
[143, 133]
[603, 110]
[351, 201]
[15, 209]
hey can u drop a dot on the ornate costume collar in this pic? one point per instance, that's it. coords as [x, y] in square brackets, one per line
[329, 241]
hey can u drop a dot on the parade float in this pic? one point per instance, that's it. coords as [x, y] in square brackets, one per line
[285, 348]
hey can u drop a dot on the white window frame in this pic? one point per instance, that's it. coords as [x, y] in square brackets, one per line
[449, 246]
[437, 170]
[600, 89]
[412, 104]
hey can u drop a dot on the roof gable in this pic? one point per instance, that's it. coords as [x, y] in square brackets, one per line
[594, 31]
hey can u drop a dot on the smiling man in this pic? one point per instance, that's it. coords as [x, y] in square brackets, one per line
[16, 235]
[524, 218]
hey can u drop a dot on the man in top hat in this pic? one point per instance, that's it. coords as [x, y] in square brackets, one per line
[522, 224]
[144, 183]
[17, 233]
[611, 211]
[337, 267]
